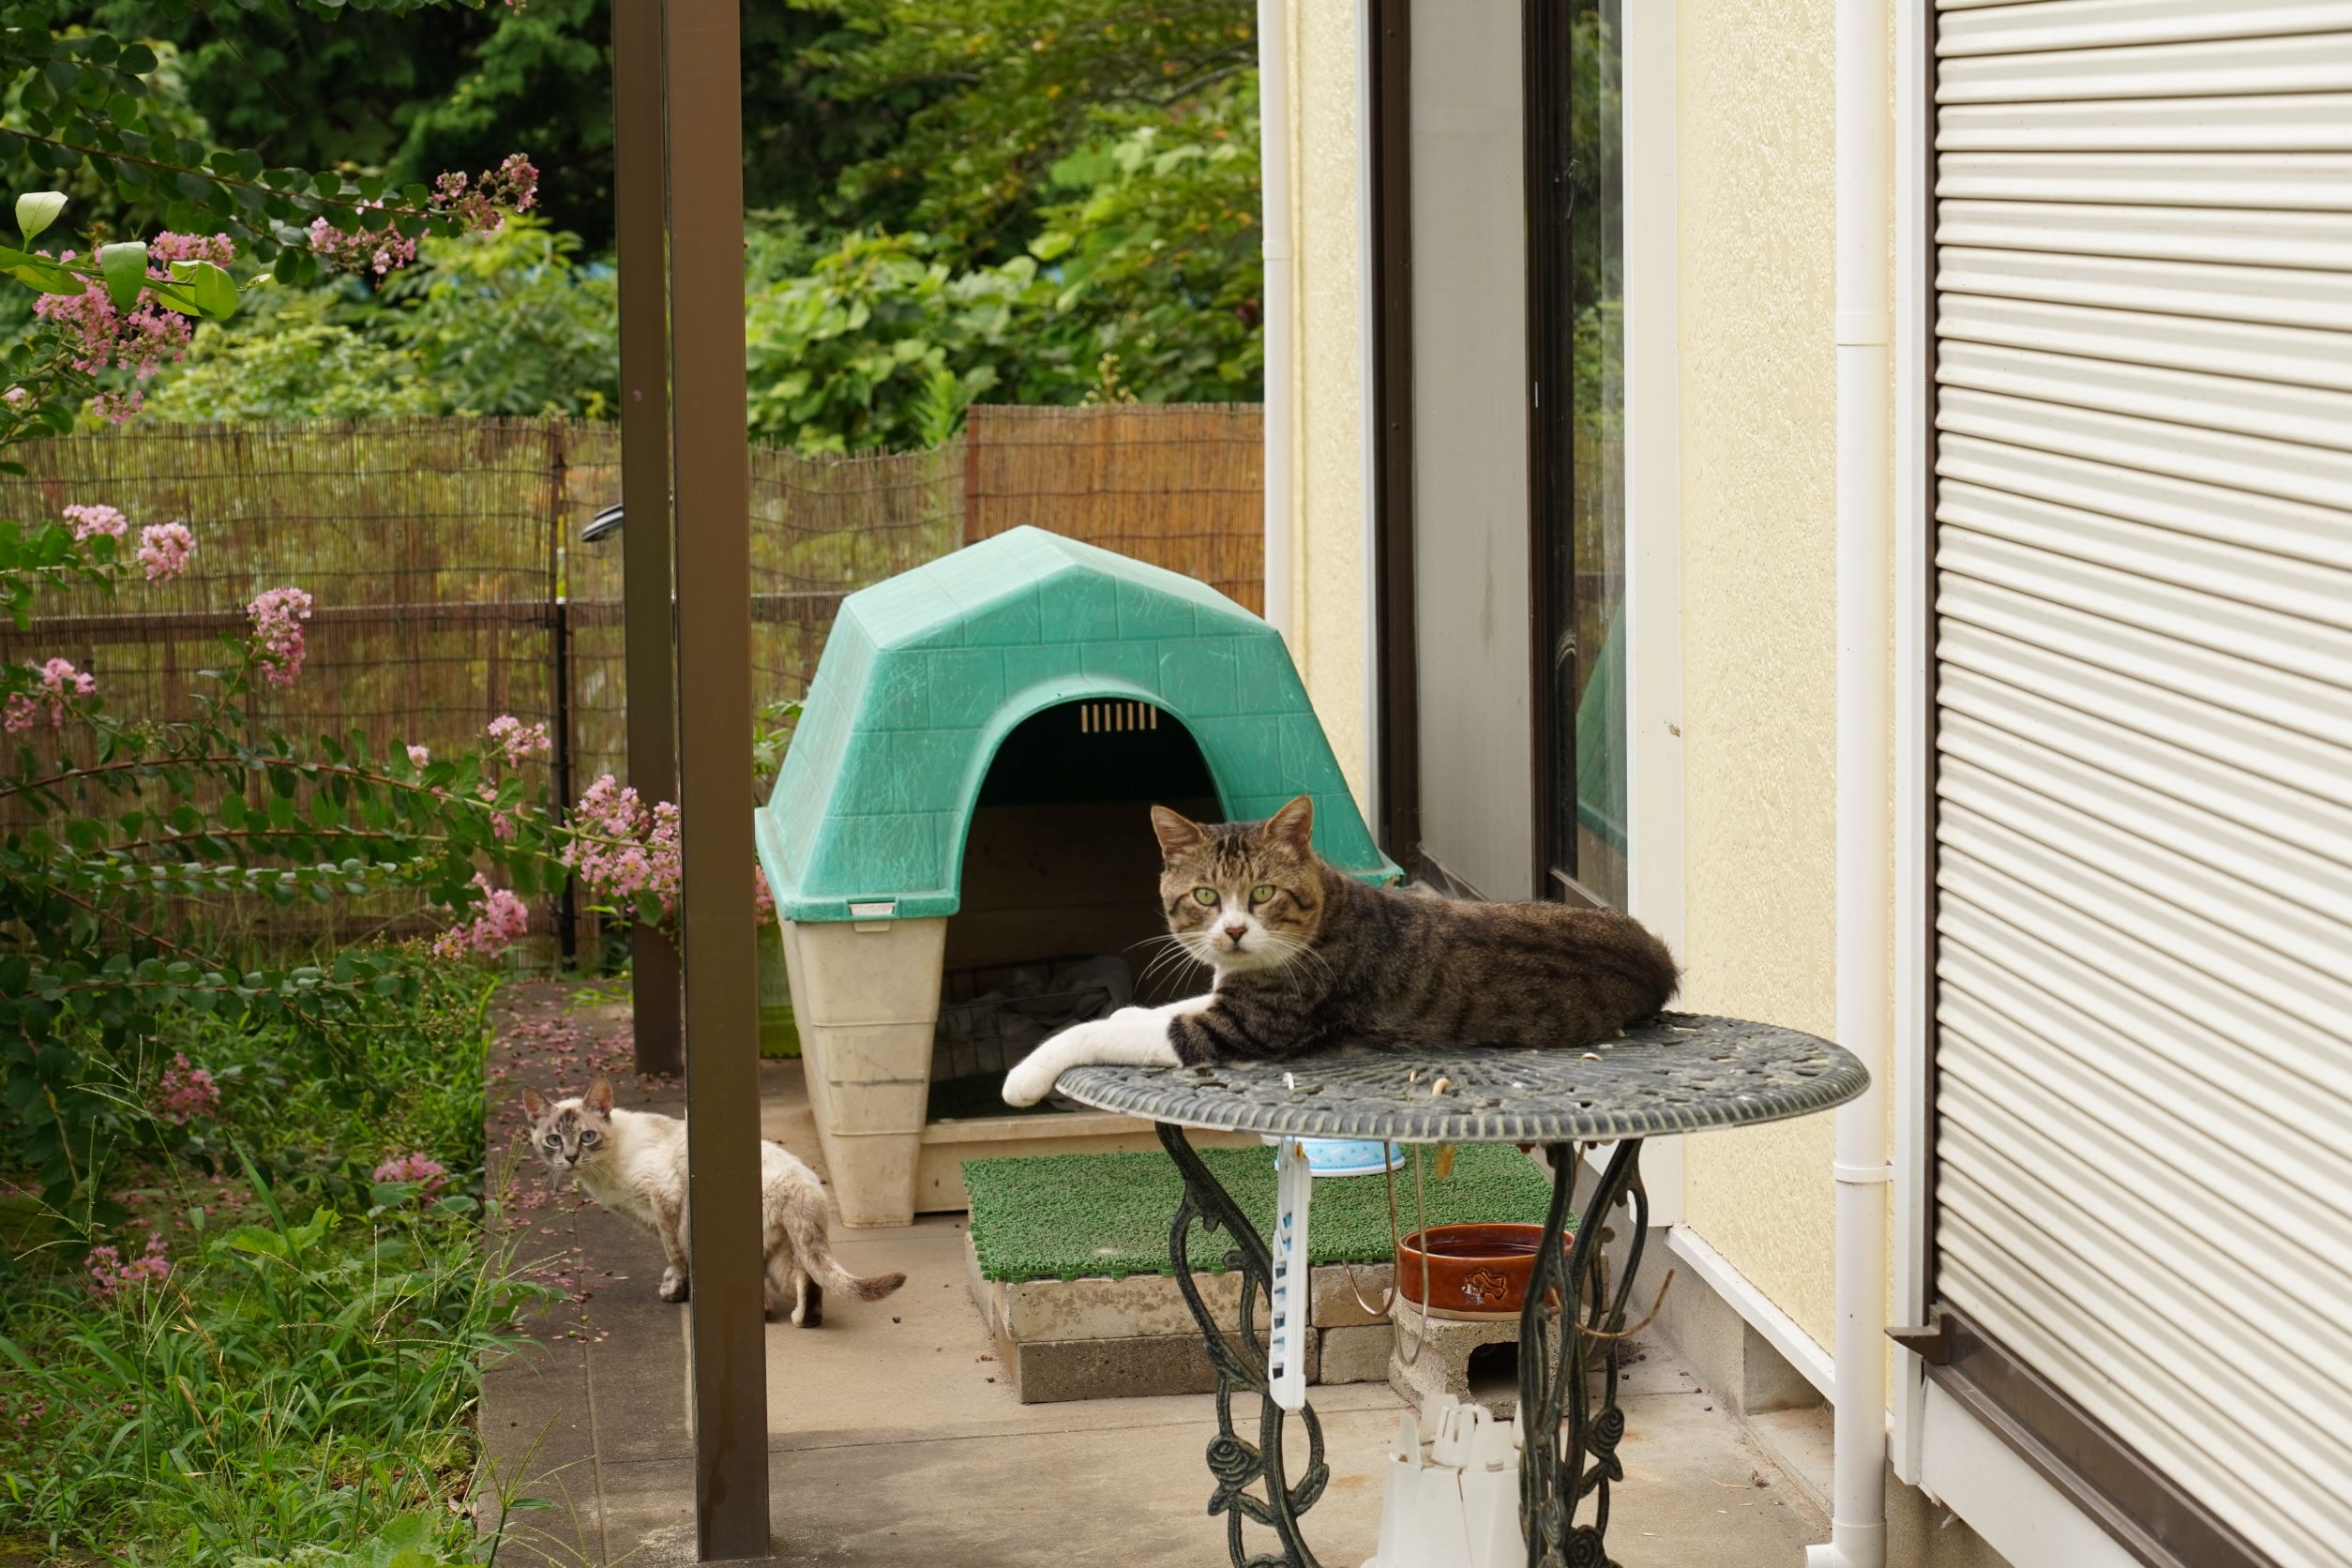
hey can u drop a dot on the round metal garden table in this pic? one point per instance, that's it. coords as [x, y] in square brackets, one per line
[1679, 1072]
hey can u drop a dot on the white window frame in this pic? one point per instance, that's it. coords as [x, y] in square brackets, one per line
[1653, 497]
[1653, 515]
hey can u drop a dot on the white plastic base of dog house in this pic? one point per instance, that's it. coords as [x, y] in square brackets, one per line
[866, 997]
[866, 1019]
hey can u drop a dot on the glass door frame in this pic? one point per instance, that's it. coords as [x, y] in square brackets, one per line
[1554, 607]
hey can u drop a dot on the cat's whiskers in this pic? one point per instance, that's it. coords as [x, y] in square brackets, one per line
[1287, 951]
[1173, 953]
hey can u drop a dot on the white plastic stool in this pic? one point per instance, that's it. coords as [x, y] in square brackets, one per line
[1452, 1496]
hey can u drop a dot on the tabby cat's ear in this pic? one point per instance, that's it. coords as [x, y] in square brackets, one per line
[599, 1097]
[1294, 825]
[533, 1103]
[1178, 833]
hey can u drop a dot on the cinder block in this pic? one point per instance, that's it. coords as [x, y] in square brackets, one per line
[1335, 1304]
[1137, 1306]
[1052, 1371]
[1442, 1366]
[1356, 1354]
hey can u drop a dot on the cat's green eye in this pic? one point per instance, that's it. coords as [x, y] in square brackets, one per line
[1204, 895]
[1262, 893]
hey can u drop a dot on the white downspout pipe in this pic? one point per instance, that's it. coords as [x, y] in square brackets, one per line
[1866, 728]
[1280, 310]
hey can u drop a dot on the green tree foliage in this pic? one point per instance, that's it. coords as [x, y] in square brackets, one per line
[945, 117]
[294, 369]
[996, 92]
[509, 323]
[1154, 254]
[504, 323]
[343, 87]
[1144, 281]
[1036, 201]
[83, 110]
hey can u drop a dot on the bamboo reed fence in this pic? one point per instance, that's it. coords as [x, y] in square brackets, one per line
[450, 584]
[1180, 485]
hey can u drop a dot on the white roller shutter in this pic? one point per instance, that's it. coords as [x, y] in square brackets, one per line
[2144, 600]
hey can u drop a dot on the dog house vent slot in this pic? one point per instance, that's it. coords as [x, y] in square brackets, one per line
[1105, 718]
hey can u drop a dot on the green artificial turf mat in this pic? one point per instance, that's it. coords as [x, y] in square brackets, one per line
[1074, 1217]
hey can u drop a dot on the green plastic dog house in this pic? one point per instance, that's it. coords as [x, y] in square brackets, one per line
[964, 812]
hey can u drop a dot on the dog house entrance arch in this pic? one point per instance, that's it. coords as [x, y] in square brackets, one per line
[980, 740]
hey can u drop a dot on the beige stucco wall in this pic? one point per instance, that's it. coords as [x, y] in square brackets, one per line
[1757, 194]
[1329, 559]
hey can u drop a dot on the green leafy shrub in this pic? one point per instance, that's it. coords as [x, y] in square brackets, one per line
[508, 323]
[1144, 282]
[294, 1364]
[293, 369]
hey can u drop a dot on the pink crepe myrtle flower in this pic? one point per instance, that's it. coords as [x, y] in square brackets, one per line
[167, 248]
[418, 755]
[505, 919]
[518, 741]
[164, 548]
[112, 1277]
[502, 824]
[60, 682]
[376, 250]
[419, 1168]
[14, 396]
[184, 1093]
[117, 408]
[89, 520]
[278, 616]
[623, 849]
[477, 205]
[142, 340]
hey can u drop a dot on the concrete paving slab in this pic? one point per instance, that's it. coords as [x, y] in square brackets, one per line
[1698, 1495]
[1026, 1501]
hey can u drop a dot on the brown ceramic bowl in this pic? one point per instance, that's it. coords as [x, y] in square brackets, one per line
[1476, 1272]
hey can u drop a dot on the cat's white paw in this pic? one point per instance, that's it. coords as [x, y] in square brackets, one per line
[673, 1286]
[1031, 1080]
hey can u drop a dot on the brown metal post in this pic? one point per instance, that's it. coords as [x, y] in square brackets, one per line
[702, 66]
[641, 220]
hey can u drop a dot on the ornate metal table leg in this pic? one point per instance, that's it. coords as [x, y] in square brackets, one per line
[1571, 1442]
[1241, 1365]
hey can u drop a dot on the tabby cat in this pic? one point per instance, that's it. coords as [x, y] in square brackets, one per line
[1308, 958]
[634, 1163]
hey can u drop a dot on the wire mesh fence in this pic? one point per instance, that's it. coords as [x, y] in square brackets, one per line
[451, 585]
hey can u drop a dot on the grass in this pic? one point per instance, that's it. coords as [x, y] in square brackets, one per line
[1071, 1217]
[303, 1381]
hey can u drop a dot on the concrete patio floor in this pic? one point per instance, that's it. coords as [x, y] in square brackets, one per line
[895, 1443]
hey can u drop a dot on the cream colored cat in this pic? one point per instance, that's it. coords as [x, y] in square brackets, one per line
[634, 1163]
